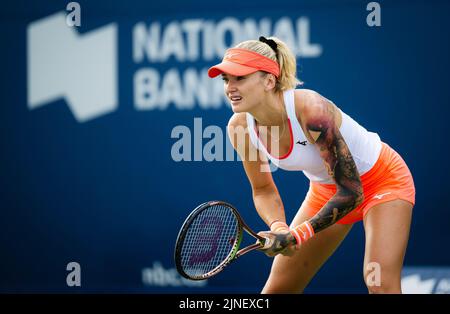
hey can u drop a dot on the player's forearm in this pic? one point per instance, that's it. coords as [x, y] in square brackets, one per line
[269, 206]
[343, 202]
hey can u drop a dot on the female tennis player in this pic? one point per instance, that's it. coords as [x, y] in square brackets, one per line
[353, 175]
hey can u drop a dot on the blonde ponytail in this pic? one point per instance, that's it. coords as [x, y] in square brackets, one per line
[284, 57]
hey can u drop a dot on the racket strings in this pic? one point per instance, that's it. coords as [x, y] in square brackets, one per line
[209, 240]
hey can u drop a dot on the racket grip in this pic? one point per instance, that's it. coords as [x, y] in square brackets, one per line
[266, 243]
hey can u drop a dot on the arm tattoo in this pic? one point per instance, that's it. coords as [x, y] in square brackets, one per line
[341, 167]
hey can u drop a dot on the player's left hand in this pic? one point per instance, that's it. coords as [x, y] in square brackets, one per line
[280, 242]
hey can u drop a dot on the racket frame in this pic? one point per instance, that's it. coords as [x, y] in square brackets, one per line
[235, 252]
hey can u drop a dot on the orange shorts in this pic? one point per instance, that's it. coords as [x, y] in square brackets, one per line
[387, 180]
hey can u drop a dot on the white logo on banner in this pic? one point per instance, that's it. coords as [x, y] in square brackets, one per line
[161, 277]
[414, 285]
[81, 68]
[192, 40]
[426, 280]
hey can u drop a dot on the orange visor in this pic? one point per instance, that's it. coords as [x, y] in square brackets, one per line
[240, 62]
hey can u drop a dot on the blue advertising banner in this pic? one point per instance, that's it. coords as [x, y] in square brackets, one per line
[112, 132]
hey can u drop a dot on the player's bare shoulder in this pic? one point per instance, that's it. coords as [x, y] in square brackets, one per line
[309, 104]
[237, 130]
[238, 120]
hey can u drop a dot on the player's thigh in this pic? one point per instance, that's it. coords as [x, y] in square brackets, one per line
[387, 227]
[291, 274]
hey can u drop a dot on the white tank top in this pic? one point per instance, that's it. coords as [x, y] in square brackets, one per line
[303, 155]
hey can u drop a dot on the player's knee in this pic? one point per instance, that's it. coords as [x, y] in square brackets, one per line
[279, 283]
[384, 288]
[280, 289]
[387, 282]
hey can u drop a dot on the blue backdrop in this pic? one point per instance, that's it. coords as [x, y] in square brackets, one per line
[88, 112]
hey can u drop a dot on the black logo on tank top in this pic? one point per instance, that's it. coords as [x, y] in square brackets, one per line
[302, 143]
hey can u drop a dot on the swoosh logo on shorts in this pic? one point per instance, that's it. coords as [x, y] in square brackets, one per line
[380, 196]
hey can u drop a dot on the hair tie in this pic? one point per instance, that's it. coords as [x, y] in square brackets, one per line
[270, 42]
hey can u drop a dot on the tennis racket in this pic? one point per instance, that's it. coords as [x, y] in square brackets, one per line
[210, 240]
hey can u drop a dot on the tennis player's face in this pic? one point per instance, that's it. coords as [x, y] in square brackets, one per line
[244, 92]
